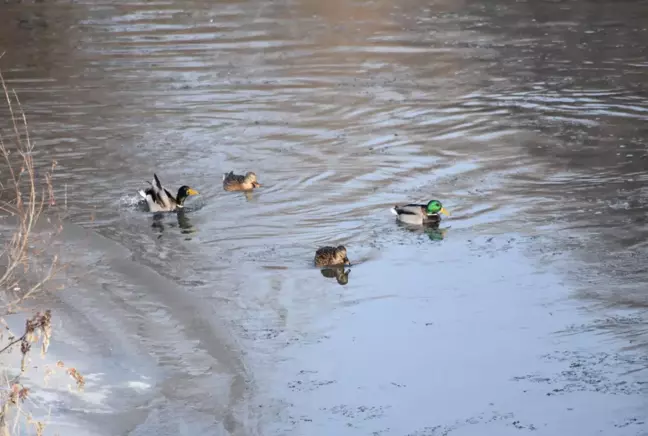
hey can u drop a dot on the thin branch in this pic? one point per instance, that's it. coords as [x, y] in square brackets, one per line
[14, 342]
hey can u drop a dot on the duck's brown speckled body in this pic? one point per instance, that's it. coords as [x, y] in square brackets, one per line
[331, 256]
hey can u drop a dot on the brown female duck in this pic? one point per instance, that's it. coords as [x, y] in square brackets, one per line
[330, 256]
[234, 182]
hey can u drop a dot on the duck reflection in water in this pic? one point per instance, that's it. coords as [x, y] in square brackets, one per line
[433, 231]
[436, 234]
[183, 223]
[338, 272]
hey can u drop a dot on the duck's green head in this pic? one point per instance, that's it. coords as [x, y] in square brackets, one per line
[435, 207]
[184, 192]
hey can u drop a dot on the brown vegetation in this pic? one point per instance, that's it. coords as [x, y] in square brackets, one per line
[23, 198]
[25, 265]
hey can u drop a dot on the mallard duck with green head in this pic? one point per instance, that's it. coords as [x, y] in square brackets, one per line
[331, 256]
[159, 199]
[235, 182]
[420, 214]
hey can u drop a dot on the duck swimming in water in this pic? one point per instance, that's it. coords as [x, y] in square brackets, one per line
[420, 214]
[159, 199]
[234, 182]
[331, 256]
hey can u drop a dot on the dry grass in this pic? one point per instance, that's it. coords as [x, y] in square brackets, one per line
[23, 197]
[26, 268]
[38, 328]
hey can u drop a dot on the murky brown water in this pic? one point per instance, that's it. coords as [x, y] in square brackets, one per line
[527, 119]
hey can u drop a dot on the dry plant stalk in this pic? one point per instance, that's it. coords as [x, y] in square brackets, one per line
[39, 327]
[11, 399]
[22, 198]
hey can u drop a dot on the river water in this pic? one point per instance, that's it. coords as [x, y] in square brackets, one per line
[524, 313]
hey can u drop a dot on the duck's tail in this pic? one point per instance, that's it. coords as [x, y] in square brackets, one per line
[142, 193]
[394, 211]
[226, 175]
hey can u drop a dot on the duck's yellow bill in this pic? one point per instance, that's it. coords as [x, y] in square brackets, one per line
[192, 192]
[444, 211]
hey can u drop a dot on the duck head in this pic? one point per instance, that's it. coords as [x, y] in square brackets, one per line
[341, 255]
[184, 192]
[251, 178]
[435, 207]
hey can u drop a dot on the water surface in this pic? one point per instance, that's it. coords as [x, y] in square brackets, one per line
[527, 119]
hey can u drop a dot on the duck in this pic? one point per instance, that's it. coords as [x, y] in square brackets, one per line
[331, 256]
[159, 199]
[420, 214]
[234, 182]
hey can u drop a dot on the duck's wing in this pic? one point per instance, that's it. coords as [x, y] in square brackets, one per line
[230, 178]
[325, 251]
[152, 200]
[324, 255]
[171, 198]
[409, 209]
[162, 196]
[157, 197]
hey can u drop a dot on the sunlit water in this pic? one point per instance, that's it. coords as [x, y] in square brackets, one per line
[523, 313]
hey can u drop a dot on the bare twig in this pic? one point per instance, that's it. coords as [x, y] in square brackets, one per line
[24, 196]
[26, 203]
[13, 343]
